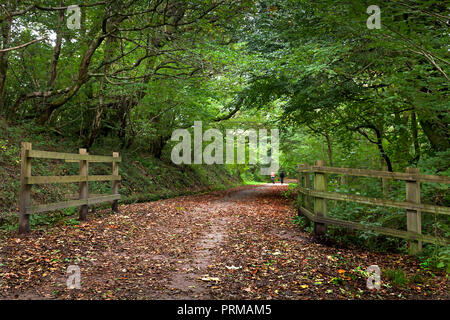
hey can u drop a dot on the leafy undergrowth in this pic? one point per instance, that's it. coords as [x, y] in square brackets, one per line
[233, 244]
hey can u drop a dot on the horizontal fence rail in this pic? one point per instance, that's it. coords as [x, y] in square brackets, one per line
[319, 194]
[70, 156]
[376, 201]
[355, 225]
[375, 174]
[71, 203]
[82, 199]
[69, 179]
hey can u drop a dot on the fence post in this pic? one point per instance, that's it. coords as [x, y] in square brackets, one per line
[300, 184]
[84, 186]
[115, 183]
[25, 189]
[413, 217]
[307, 181]
[320, 204]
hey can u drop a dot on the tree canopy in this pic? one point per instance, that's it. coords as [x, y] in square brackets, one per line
[137, 70]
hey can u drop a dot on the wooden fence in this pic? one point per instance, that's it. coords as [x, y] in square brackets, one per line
[83, 200]
[317, 197]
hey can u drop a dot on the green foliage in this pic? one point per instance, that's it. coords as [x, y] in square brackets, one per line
[301, 221]
[435, 258]
[396, 277]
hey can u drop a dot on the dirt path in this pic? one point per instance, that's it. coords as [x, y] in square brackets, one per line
[234, 244]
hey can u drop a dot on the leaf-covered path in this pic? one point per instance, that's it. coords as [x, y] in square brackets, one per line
[234, 244]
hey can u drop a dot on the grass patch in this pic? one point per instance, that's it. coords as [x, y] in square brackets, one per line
[396, 277]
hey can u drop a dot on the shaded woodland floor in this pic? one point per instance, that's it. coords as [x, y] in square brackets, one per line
[235, 244]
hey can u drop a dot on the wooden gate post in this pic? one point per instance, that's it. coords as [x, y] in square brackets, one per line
[25, 189]
[115, 183]
[413, 217]
[84, 186]
[320, 204]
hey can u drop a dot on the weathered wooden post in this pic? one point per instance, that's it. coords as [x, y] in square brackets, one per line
[84, 186]
[300, 184]
[25, 189]
[413, 217]
[307, 184]
[303, 177]
[115, 183]
[320, 204]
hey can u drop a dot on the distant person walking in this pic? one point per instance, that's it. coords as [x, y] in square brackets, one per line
[281, 176]
[272, 176]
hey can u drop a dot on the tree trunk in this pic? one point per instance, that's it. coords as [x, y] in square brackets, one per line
[83, 77]
[436, 132]
[56, 49]
[382, 151]
[5, 29]
[378, 143]
[157, 146]
[384, 181]
[415, 139]
[330, 149]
